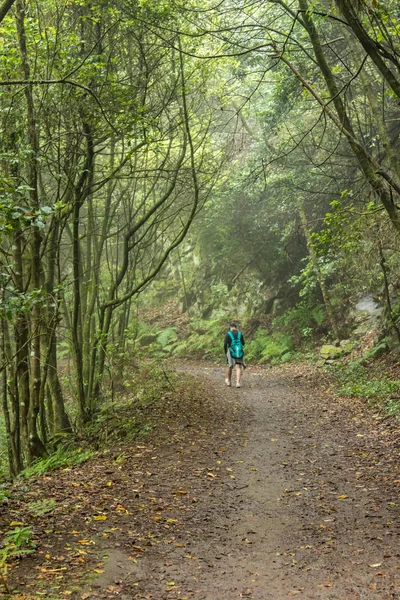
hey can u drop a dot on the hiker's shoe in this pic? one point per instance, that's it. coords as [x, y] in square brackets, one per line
[228, 383]
[238, 385]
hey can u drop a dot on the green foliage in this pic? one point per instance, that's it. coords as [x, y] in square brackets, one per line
[301, 320]
[61, 458]
[254, 163]
[268, 347]
[255, 347]
[355, 381]
[205, 340]
[4, 495]
[206, 337]
[17, 539]
[152, 341]
[117, 421]
[167, 337]
[342, 229]
[17, 542]
[129, 415]
[41, 507]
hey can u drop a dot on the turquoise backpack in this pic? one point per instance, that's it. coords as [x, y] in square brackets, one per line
[236, 347]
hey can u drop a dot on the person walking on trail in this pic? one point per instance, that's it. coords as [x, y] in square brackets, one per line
[233, 347]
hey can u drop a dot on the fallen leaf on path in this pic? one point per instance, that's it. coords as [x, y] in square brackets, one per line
[85, 542]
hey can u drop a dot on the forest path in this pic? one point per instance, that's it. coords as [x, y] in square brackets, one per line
[313, 510]
[273, 490]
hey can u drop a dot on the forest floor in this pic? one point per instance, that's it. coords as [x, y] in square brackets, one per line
[274, 490]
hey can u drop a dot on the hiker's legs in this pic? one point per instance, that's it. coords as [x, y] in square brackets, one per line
[229, 373]
[238, 373]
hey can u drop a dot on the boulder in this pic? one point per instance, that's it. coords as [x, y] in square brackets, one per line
[146, 340]
[328, 351]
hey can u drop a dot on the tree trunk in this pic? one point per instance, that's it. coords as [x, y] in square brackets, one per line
[36, 447]
[370, 46]
[372, 170]
[10, 403]
[59, 418]
[21, 337]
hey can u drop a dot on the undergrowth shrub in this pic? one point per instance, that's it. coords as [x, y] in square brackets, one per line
[41, 507]
[124, 416]
[301, 321]
[17, 542]
[130, 414]
[151, 340]
[268, 347]
[205, 339]
[167, 337]
[356, 381]
[61, 458]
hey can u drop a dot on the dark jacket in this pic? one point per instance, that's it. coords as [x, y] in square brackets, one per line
[227, 340]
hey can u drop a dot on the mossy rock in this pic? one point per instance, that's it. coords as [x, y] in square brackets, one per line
[330, 352]
[146, 340]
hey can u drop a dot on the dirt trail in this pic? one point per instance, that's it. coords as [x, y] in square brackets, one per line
[309, 513]
[271, 491]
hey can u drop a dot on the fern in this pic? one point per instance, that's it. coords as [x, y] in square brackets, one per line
[318, 314]
[60, 458]
[167, 336]
[205, 340]
[266, 347]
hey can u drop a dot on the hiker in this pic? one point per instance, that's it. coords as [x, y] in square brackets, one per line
[233, 347]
